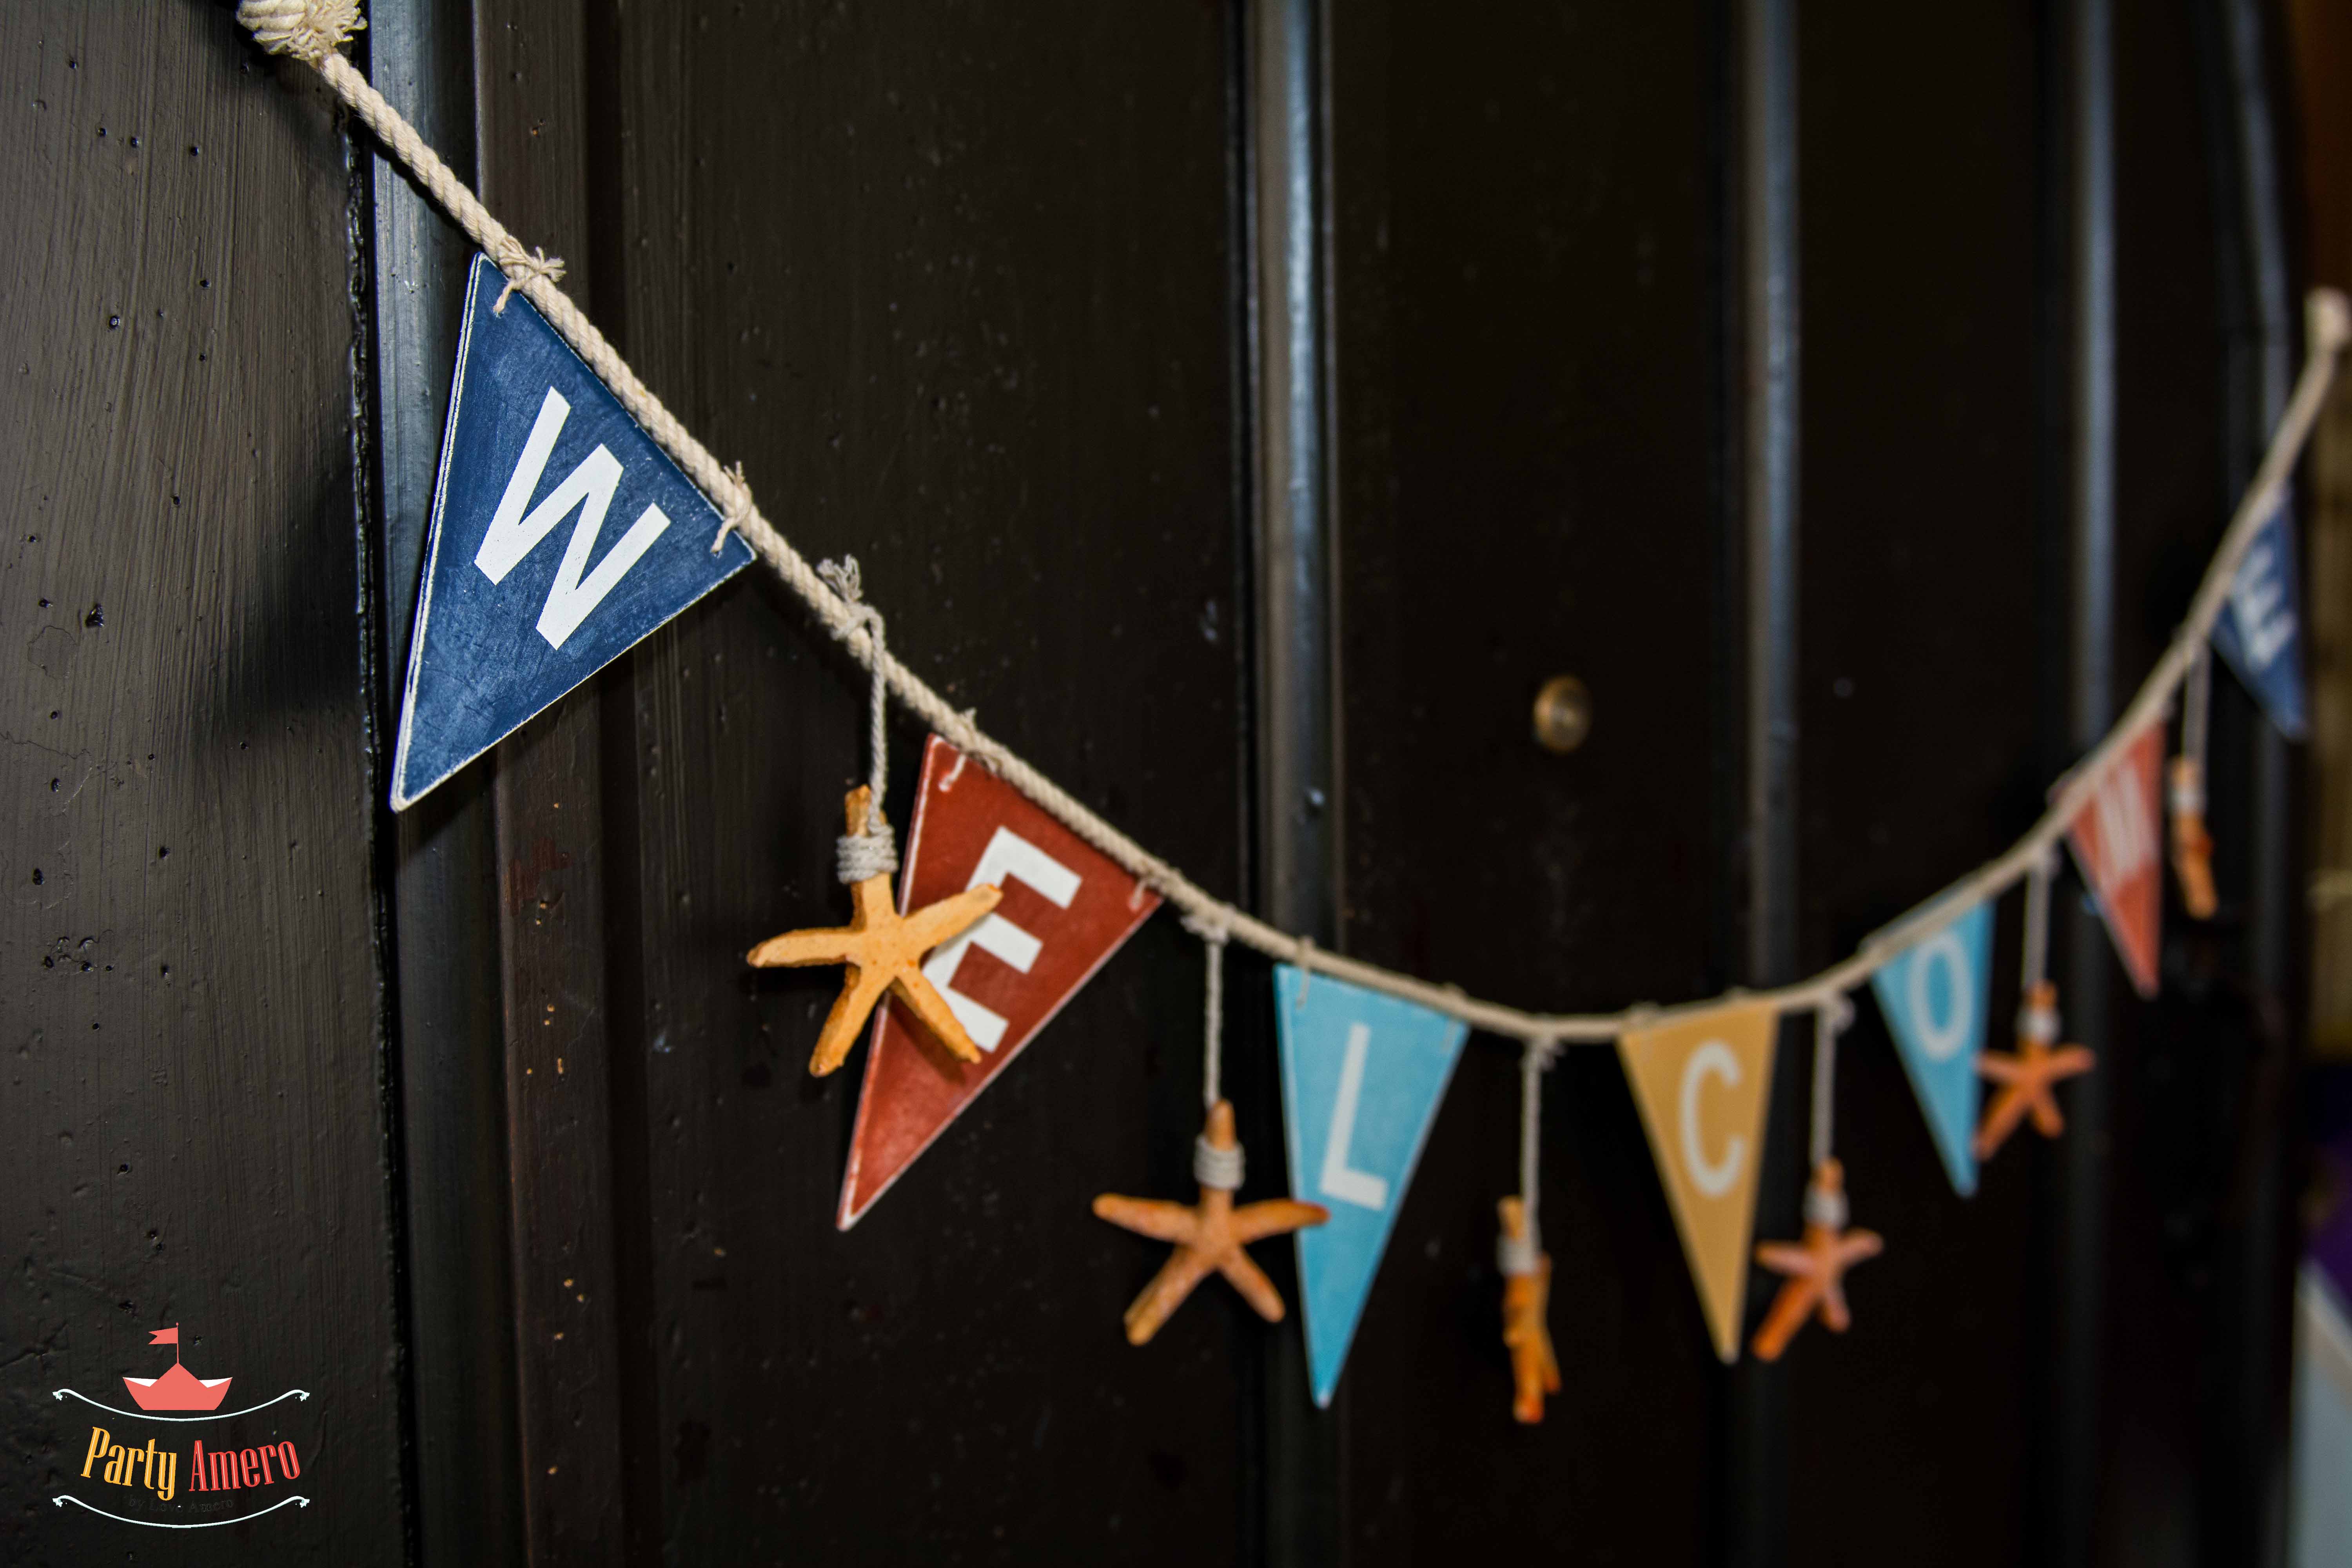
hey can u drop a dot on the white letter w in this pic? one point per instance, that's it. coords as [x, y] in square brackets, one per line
[590, 487]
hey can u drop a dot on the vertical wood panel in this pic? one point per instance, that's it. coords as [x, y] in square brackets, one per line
[193, 1095]
[533, 148]
[1296, 545]
[1526, 373]
[957, 289]
[461, 1339]
[1918, 702]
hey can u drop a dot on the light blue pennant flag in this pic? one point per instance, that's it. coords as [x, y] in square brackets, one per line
[1362, 1077]
[1935, 995]
[561, 535]
[2260, 631]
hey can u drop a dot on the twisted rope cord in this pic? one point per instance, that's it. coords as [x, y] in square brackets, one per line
[314, 36]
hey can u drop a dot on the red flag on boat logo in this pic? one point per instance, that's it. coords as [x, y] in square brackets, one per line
[1066, 909]
[170, 1336]
[2116, 843]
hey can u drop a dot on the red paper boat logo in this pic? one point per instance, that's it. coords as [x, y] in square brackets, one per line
[178, 1389]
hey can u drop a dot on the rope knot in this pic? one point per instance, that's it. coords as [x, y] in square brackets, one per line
[309, 30]
[520, 267]
[1210, 928]
[846, 580]
[737, 510]
[1836, 1013]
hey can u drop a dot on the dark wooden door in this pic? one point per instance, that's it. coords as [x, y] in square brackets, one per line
[1245, 408]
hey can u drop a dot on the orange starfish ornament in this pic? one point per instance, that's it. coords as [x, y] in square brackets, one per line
[1209, 1234]
[2026, 1075]
[1815, 1266]
[1527, 1294]
[2192, 846]
[884, 952]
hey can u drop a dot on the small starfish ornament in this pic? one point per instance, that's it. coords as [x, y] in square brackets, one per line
[1209, 1234]
[2192, 846]
[1527, 1294]
[884, 952]
[2026, 1075]
[1815, 1266]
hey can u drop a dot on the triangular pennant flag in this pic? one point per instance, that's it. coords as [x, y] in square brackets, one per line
[1066, 909]
[1934, 995]
[2115, 843]
[1701, 1084]
[1362, 1077]
[2260, 632]
[518, 608]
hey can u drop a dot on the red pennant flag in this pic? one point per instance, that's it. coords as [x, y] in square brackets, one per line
[1066, 909]
[2116, 843]
[170, 1336]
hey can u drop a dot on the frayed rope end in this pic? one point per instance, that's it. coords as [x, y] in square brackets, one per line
[309, 30]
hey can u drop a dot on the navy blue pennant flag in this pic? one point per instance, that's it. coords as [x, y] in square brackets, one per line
[517, 607]
[2260, 631]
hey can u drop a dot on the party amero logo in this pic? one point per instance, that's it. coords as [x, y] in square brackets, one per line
[176, 1460]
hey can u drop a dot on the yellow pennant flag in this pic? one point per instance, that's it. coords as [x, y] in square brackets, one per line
[1701, 1084]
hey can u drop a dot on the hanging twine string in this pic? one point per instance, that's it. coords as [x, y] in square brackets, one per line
[1523, 1253]
[872, 853]
[2189, 768]
[2037, 1012]
[2037, 919]
[2196, 701]
[314, 30]
[1829, 1020]
[1214, 1166]
[1214, 938]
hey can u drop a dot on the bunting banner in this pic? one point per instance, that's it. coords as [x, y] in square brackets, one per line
[1066, 909]
[2116, 844]
[507, 623]
[1934, 995]
[2261, 633]
[1703, 1085]
[1362, 1077]
[1004, 908]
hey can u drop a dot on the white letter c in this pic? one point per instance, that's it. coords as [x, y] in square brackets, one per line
[1713, 1059]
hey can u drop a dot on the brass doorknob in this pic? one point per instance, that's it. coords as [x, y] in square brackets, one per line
[1563, 714]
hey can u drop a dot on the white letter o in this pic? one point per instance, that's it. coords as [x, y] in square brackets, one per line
[1941, 1040]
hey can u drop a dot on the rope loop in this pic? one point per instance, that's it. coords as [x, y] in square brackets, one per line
[521, 267]
[309, 30]
[736, 512]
